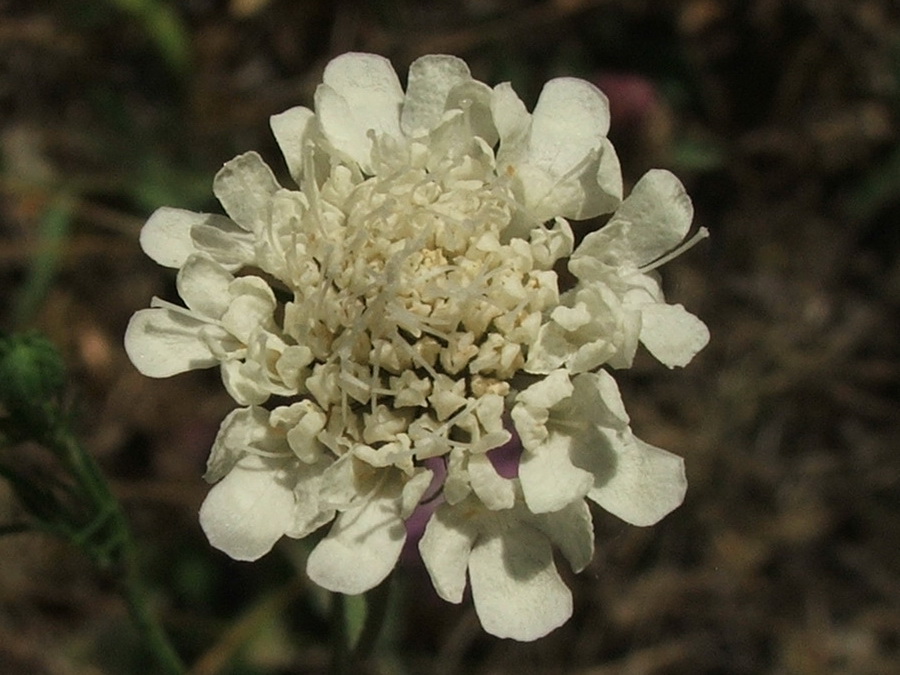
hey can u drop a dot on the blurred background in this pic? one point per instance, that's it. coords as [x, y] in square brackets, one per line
[781, 117]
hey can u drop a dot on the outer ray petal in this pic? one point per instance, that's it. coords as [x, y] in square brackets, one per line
[362, 547]
[512, 121]
[571, 530]
[244, 187]
[517, 590]
[309, 513]
[161, 342]
[249, 510]
[570, 118]
[549, 479]
[293, 129]
[672, 334]
[645, 484]
[652, 221]
[431, 78]
[166, 236]
[203, 285]
[225, 241]
[359, 93]
[494, 491]
[445, 549]
[242, 429]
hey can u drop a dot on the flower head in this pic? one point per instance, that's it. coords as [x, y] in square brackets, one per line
[401, 306]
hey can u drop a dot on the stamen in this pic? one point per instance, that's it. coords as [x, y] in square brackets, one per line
[250, 450]
[159, 303]
[701, 234]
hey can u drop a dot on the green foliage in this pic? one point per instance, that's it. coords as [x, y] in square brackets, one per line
[876, 188]
[53, 234]
[32, 376]
[71, 498]
[163, 25]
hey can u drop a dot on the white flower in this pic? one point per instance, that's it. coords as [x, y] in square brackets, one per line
[400, 303]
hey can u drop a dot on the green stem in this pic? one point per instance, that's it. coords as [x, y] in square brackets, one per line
[341, 657]
[135, 593]
[79, 506]
[345, 657]
[116, 547]
[377, 601]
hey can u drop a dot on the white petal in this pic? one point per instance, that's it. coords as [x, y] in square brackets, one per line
[547, 474]
[445, 548]
[305, 420]
[241, 383]
[475, 98]
[590, 355]
[244, 187]
[359, 93]
[430, 80]
[609, 180]
[549, 479]
[241, 429]
[652, 220]
[548, 196]
[248, 510]
[291, 366]
[517, 590]
[162, 342]
[309, 512]
[599, 394]
[644, 484]
[370, 86]
[361, 549]
[203, 285]
[628, 342]
[572, 318]
[568, 167]
[672, 334]
[570, 118]
[227, 242]
[551, 349]
[166, 236]
[251, 307]
[339, 487]
[457, 485]
[549, 245]
[292, 129]
[546, 393]
[512, 121]
[492, 489]
[413, 490]
[348, 136]
[571, 530]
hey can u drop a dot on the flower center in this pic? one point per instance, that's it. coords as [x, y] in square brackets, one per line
[415, 312]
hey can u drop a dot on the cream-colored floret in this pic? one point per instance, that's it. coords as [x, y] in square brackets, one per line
[412, 298]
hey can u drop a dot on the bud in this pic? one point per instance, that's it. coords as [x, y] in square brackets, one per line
[32, 375]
